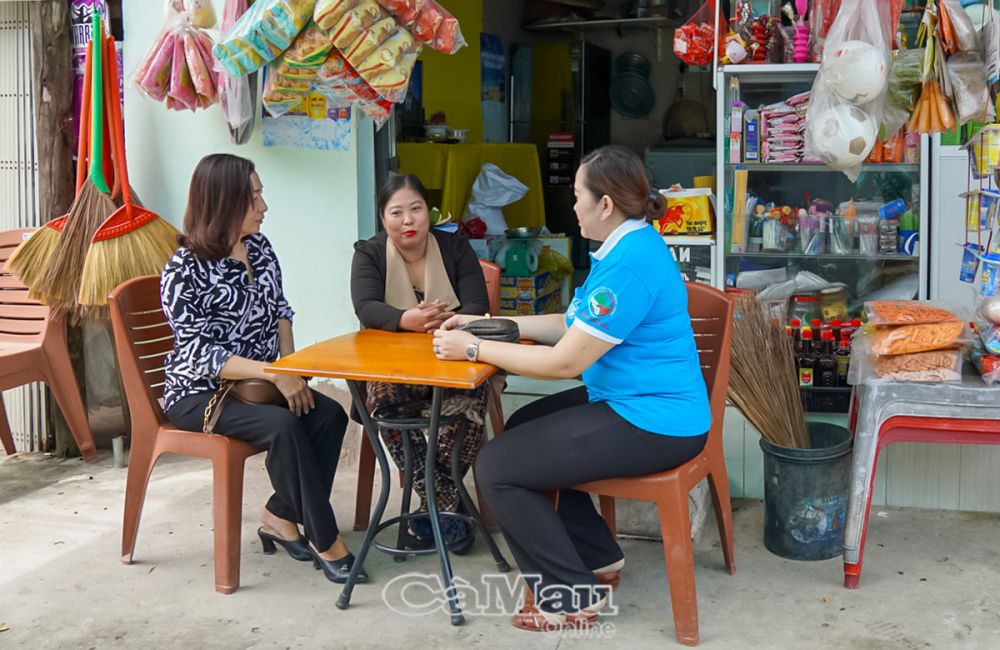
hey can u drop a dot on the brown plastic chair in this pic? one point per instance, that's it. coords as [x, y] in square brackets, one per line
[143, 338]
[712, 320]
[366, 458]
[33, 348]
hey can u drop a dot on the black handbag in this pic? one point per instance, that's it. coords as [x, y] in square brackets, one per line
[493, 329]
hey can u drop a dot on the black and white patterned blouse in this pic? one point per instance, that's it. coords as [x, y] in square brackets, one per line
[217, 312]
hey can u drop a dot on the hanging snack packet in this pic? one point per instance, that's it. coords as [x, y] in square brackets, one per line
[266, 30]
[405, 11]
[354, 22]
[369, 40]
[328, 12]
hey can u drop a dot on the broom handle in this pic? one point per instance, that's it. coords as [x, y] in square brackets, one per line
[118, 132]
[83, 137]
[97, 112]
[111, 73]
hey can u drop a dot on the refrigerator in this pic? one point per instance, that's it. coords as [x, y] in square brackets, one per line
[559, 95]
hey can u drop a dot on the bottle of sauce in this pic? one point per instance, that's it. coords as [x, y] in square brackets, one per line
[835, 325]
[796, 334]
[843, 355]
[825, 373]
[807, 359]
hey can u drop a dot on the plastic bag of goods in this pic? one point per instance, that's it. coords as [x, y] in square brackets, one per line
[435, 27]
[845, 106]
[697, 40]
[353, 22]
[267, 29]
[179, 67]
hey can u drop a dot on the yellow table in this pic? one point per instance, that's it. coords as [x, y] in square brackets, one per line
[453, 168]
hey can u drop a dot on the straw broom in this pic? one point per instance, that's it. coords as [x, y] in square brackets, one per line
[763, 382]
[133, 241]
[60, 284]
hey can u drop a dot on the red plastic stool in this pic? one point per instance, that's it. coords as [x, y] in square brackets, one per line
[918, 429]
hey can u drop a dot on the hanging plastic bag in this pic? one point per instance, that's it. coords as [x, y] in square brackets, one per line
[696, 41]
[968, 84]
[179, 67]
[961, 25]
[492, 190]
[236, 93]
[437, 28]
[845, 107]
[905, 84]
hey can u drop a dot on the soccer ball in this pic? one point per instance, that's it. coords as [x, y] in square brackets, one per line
[856, 70]
[842, 136]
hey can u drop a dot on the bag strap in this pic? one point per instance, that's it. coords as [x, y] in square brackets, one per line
[214, 408]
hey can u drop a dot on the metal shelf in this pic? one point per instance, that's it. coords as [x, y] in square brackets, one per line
[822, 169]
[672, 240]
[830, 257]
[771, 72]
[652, 22]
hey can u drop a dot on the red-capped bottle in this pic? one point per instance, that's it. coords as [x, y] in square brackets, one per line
[825, 374]
[796, 334]
[843, 355]
[807, 358]
[835, 326]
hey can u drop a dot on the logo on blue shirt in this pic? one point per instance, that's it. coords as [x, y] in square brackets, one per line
[602, 302]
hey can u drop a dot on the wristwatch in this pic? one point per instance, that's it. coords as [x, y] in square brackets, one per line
[472, 350]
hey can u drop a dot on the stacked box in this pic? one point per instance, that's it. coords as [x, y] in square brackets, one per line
[550, 304]
[528, 287]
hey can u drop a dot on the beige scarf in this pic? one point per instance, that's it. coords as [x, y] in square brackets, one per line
[399, 291]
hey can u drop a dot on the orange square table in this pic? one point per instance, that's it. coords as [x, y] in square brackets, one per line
[400, 358]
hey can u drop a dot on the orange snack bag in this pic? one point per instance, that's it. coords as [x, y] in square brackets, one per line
[916, 338]
[906, 312]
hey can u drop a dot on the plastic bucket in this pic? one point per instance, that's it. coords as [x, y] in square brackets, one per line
[805, 494]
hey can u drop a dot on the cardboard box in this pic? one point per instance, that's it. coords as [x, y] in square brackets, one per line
[528, 287]
[550, 304]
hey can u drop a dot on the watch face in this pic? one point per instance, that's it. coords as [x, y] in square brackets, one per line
[471, 352]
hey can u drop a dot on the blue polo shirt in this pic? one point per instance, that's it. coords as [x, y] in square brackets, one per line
[635, 299]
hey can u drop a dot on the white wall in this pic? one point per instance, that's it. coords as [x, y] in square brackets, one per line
[313, 195]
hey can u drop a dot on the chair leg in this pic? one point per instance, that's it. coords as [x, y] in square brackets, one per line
[5, 435]
[675, 526]
[227, 514]
[61, 380]
[608, 513]
[366, 482]
[718, 481]
[141, 460]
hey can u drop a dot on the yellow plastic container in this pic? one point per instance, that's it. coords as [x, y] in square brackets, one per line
[980, 209]
[984, 151]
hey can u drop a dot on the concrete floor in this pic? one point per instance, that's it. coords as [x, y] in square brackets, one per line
[931, 580]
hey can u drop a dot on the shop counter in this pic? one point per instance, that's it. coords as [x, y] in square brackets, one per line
[453, 168]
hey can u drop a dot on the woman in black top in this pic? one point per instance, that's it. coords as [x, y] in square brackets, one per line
[411, 277]
[222, 294]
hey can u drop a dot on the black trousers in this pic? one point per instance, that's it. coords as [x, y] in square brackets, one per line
[302, 454]
[554, 443]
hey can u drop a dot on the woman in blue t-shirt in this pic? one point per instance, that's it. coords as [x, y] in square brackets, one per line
[643, 407]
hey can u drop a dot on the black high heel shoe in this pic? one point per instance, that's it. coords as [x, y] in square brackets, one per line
[337, 570]
[297, 548]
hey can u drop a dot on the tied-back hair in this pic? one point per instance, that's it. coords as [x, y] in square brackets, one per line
[395, 183]
[220, 196]
[618, 173]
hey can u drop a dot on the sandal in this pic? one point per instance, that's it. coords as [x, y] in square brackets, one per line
[535, 620]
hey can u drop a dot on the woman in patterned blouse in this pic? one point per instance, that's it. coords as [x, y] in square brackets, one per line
[222, 294]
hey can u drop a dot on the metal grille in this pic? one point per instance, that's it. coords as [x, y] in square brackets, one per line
[19, 189]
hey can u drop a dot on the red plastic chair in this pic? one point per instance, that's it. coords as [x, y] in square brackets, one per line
[712, 320]
[33, 348]
[143, 338]
[917, 429]
[366, 457]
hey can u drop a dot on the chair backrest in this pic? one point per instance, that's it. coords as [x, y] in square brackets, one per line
[491, 273]
[711, 314]
[22, 319]
[143, 339]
